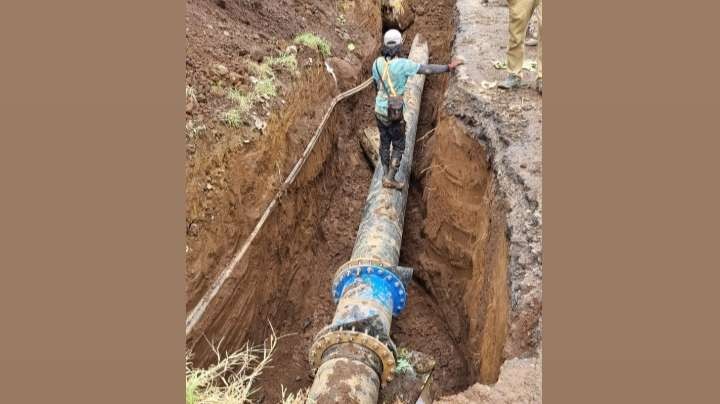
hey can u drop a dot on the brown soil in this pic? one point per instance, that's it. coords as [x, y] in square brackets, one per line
[461, 252]
[454, 229]
[232, 173]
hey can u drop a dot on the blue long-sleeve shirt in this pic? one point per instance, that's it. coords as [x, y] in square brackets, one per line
[400, 70]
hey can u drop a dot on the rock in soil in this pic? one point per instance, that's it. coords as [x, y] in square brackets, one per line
[370, 142]
[220, 70]
[347, 75]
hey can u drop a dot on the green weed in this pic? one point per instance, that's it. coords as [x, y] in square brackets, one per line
[233, 117]
[314, 41]
[217, 89]
[265, 88]
[242, 101]
[284, 60]
[402, 364]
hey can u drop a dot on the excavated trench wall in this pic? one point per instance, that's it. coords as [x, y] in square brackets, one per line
[466, 231]
[508, 126]
[233, 173]
[276, 270]
[482, 215]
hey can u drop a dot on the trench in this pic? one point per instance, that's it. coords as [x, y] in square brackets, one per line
[454, 237]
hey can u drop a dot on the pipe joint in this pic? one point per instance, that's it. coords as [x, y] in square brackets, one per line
[384, 285]
[326, 343]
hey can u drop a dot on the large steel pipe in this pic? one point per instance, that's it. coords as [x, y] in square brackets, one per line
[354, 354]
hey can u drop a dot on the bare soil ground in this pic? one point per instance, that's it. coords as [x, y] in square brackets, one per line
[455, 227]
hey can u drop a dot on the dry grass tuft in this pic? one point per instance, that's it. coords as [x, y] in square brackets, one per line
[397, 6]
[297, 398]
[231, 379]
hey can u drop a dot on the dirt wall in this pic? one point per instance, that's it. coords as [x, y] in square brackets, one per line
[508, 126]
[464, 263]
[233, 172]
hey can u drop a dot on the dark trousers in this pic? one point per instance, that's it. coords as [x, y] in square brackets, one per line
[391, 133]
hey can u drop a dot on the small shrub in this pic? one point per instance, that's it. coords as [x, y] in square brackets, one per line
[313, 41]
[403, 365]
[236, 96]
[261, 70]
[242, 101]
[232, 118]
[284, 60]
[266, 88]
[217, 89]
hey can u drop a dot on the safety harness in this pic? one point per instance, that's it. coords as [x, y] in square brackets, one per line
[395, 102]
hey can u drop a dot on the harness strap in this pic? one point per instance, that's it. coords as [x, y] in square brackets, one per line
[386, 75]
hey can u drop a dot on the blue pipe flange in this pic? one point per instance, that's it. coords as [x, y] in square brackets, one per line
[372, 274]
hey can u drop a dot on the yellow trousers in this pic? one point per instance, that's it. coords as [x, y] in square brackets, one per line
[520, 13]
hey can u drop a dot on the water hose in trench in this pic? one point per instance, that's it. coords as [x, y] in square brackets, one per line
[355, 355]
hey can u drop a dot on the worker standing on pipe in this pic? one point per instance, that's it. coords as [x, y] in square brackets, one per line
[391, 74]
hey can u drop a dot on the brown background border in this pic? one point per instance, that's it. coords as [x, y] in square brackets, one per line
[91, 167]
[631, 197]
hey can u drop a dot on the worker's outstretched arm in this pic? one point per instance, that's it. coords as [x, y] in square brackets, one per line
[435, 69]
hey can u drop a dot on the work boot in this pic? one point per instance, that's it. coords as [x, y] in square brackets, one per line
[385, 168]
[512, 81]
[538, 85]
[389, 179]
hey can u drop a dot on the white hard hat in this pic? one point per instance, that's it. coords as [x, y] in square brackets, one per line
[392, 38]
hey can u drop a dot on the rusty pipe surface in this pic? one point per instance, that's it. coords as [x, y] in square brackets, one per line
[354, 354]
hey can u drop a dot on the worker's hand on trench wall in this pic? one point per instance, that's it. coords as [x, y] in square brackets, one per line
[455, 62]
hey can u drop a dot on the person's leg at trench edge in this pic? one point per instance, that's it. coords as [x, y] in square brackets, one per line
[520, 12]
